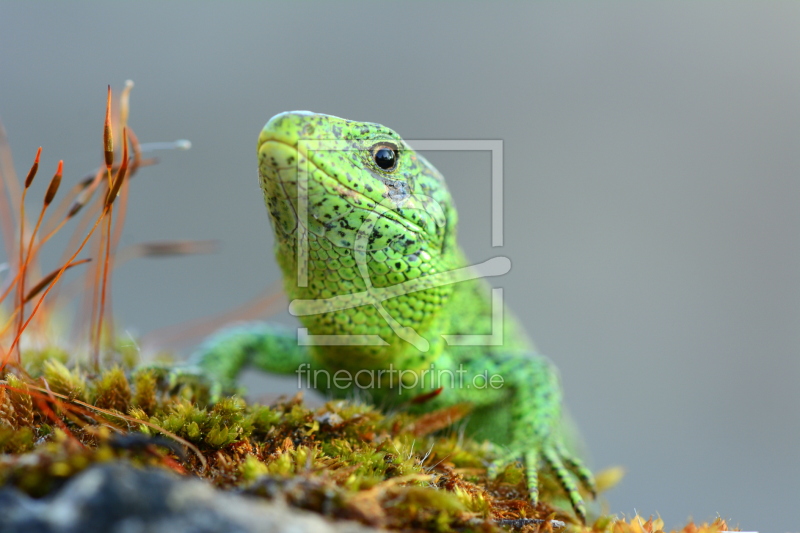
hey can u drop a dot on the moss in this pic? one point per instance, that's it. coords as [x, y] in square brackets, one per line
[112, 391]
[16, 441]
[63, 380]
[17, 410]
[344, 459]
[144, 397]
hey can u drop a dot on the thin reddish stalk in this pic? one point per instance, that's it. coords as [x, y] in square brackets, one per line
[123, 205]
[83, 222]
[59, 212]
[94, 284]
[81, 227]
[91, 211]
[20, 277]
[43, 407]
[58, 216]
[26, 260]
[112, 193]
[85, 188]
[48, 278]
[60, 273]
[108, 152]
[66, 411]
[103, 284]
[20, 269]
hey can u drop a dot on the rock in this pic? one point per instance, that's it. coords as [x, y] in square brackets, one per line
[120, 498]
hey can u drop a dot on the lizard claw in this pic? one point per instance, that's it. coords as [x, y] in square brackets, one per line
[568, 470]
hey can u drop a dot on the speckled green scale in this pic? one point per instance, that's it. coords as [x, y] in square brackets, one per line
[357, 212]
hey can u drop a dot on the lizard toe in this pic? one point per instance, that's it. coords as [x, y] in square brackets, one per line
[566, 479]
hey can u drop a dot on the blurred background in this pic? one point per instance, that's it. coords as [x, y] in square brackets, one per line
[652, 153]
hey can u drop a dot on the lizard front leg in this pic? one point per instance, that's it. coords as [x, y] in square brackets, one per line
[221, 358]
[527, 422]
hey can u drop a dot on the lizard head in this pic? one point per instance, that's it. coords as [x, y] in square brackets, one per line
[347, 172]
[354, 207]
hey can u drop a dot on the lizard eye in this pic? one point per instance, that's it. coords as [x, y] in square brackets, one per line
[385, 156]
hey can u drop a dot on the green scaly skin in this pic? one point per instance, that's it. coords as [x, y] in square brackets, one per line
[368, 231]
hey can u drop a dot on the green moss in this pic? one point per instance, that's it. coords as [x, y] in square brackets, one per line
[112, 390]
[16, 441]
[63, 380]
[144, 397]
[344, 459]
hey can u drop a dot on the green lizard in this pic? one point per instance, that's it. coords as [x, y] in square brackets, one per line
[365, 233]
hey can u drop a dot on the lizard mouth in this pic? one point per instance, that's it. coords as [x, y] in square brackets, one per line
[300, 192]
[287, 163]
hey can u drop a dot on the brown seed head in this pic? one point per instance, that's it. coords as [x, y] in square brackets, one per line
[108, 140]
[45, 281]
[123, 169]
[34, 168]
[54, 184]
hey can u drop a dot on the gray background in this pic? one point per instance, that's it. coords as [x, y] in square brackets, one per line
[651, 190]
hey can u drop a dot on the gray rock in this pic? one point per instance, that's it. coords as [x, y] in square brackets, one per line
[120, 498]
